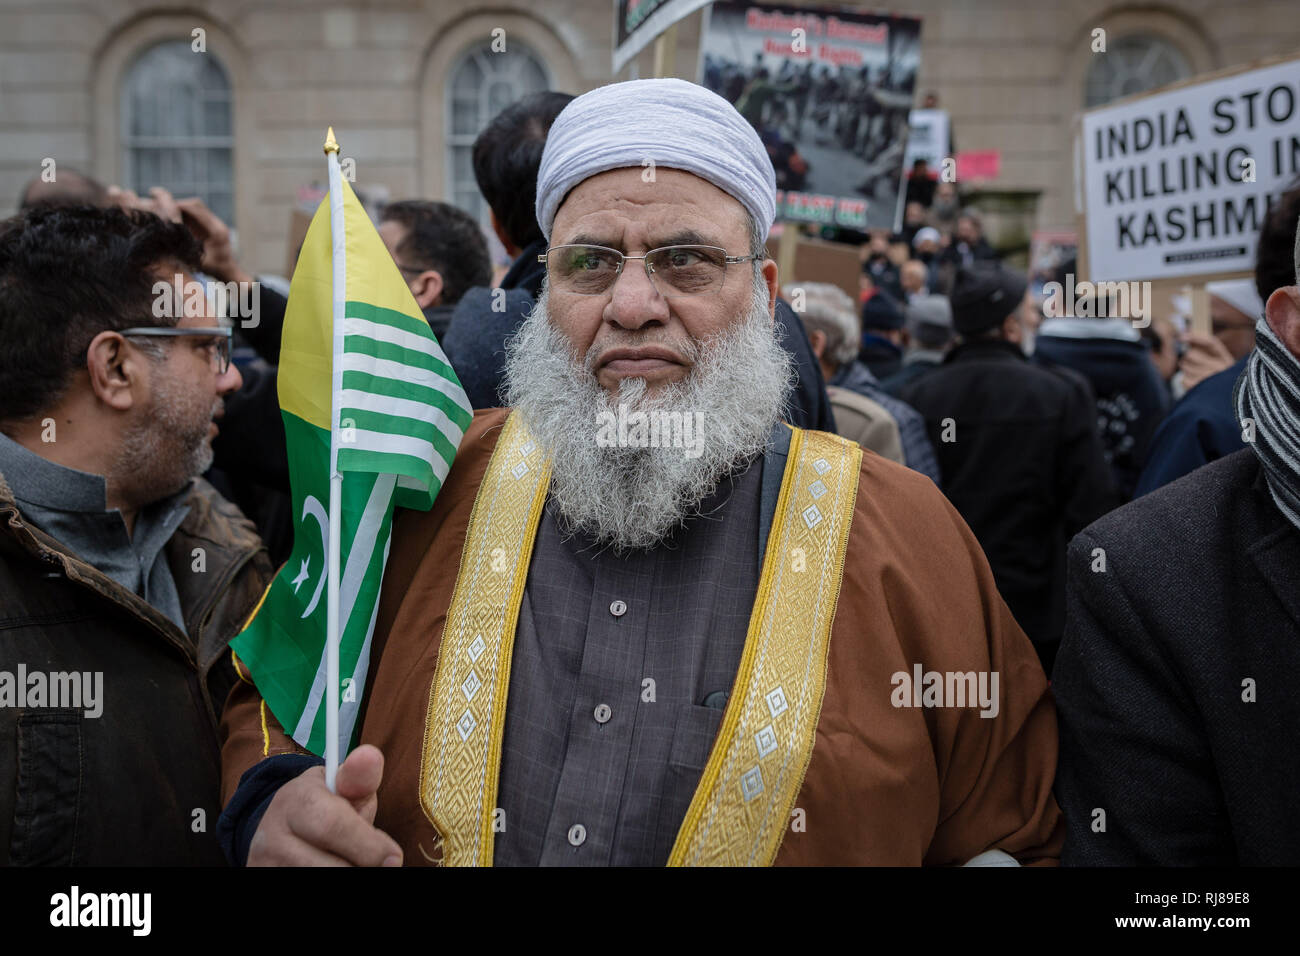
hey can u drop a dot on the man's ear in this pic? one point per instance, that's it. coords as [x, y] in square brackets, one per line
[817, 339]
[427, 288]
[1011, 330]
[511, 249]
[115, 370]
[771, 277]
[1283, 313]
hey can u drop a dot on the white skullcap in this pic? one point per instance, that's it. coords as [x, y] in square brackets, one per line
[674, 124]
[1238, 293]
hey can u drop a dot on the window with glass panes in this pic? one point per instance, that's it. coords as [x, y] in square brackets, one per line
[177, 126]
[482, 84]
[1134, 64]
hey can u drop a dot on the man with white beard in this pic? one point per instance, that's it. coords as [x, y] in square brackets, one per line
[612, 642]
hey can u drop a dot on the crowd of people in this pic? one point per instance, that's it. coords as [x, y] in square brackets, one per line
[986, 488]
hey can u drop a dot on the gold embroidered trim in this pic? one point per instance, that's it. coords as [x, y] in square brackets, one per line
[266, 734]
[769, 727]
[461, 758]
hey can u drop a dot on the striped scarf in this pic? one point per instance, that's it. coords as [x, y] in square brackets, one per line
[1268, 393]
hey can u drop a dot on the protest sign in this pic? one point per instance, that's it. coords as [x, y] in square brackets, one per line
[829, 92]
[1177, 183]
[979, 165]
[927, 138]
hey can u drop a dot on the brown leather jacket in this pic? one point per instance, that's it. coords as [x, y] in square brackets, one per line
[139, 783]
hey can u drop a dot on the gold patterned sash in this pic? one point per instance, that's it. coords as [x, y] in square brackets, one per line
[767, 733]
[742, 806]
[461, 758]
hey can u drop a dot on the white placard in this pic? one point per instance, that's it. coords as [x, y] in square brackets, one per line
[1178, 183]
[927, 138]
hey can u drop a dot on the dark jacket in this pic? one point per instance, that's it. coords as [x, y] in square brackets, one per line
[475, 344]
[911, 369]
[482, 321]
[1202, 428]
[139, 784]
[439, 317]
[250, 464]
[1131, 399]
[958, 253]
[918, 453]
[1175, 683]
[526, 272]
[880, 355]
[1023, 464]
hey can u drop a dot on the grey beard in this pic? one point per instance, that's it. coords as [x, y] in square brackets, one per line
[629, 496]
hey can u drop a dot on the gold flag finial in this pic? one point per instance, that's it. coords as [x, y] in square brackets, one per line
[331, 144]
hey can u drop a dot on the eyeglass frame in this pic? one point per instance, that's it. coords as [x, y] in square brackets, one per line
[726, 261]
[224, 333]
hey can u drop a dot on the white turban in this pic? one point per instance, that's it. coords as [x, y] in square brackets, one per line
[670, 122]
[1238, 293]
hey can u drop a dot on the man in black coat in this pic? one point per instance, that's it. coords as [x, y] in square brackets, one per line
[1175, 683]
[1018, 449]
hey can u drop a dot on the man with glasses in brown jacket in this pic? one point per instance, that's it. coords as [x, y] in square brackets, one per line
[122, 574]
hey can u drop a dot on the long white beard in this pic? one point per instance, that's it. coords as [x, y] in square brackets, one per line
[631, 497]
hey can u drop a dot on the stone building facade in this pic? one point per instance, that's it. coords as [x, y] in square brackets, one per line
[120, 88]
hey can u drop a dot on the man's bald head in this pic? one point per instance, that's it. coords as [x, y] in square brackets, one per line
[70, 188]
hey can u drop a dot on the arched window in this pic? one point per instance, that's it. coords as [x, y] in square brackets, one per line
[1133, 64]
[482, 84]
[177, 126]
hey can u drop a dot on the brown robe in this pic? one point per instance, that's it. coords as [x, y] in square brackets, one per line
[886, 785]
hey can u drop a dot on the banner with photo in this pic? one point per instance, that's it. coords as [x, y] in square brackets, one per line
[829, 91]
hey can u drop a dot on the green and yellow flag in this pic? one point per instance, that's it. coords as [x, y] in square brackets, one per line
[401, 414]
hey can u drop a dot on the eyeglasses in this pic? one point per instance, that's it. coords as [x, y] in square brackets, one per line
[672, 270]
[220, 347]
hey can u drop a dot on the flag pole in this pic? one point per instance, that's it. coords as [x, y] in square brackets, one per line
[338, 238]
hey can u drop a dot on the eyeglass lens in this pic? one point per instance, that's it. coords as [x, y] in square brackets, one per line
[674, 270]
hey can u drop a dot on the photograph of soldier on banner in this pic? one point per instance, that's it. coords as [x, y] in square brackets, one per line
[829, 93]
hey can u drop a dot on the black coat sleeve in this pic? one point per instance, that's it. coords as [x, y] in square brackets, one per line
[475, 341]
[1083, 478]
[264, 336]
[251, 443]
[1133, 756]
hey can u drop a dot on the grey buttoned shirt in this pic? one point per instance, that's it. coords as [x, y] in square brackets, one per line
[621, 667]
[71, 506]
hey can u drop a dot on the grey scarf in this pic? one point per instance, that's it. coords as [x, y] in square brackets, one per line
[1268, 393]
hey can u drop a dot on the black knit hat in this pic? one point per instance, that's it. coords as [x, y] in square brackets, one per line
[882, 312]
[983, 297]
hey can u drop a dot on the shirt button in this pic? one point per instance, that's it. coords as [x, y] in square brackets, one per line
[618, 609]
[603, 713]
[577, 834]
